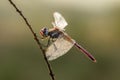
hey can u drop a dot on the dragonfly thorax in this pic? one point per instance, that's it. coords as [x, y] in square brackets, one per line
[52, 33]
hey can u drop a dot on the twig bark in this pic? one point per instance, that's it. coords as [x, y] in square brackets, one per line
[35, 38]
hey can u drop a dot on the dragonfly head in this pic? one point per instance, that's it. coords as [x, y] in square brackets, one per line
[44, 32]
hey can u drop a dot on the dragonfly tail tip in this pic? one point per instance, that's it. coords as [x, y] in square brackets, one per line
[95, 61]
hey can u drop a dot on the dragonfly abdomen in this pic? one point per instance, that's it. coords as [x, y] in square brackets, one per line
[85, 52]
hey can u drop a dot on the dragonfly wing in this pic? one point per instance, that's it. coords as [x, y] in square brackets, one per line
[60, 22]
[59, 48]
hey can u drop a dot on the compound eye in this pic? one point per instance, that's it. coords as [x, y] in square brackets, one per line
[44, 32]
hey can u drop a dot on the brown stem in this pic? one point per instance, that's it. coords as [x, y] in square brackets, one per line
[35, 38]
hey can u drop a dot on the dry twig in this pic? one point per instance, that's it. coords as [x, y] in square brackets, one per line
[35, 38]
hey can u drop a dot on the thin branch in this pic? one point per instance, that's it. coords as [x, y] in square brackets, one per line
[35, 38]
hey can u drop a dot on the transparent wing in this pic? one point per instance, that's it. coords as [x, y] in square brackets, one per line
[60, 22]
[61, 46]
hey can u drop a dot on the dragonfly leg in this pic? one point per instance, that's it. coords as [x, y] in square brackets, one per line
[41, 38]
[48, 42]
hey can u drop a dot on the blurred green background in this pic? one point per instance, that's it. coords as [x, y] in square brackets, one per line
[95, 24]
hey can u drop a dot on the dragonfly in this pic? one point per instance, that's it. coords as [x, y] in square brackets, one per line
[60, 41]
